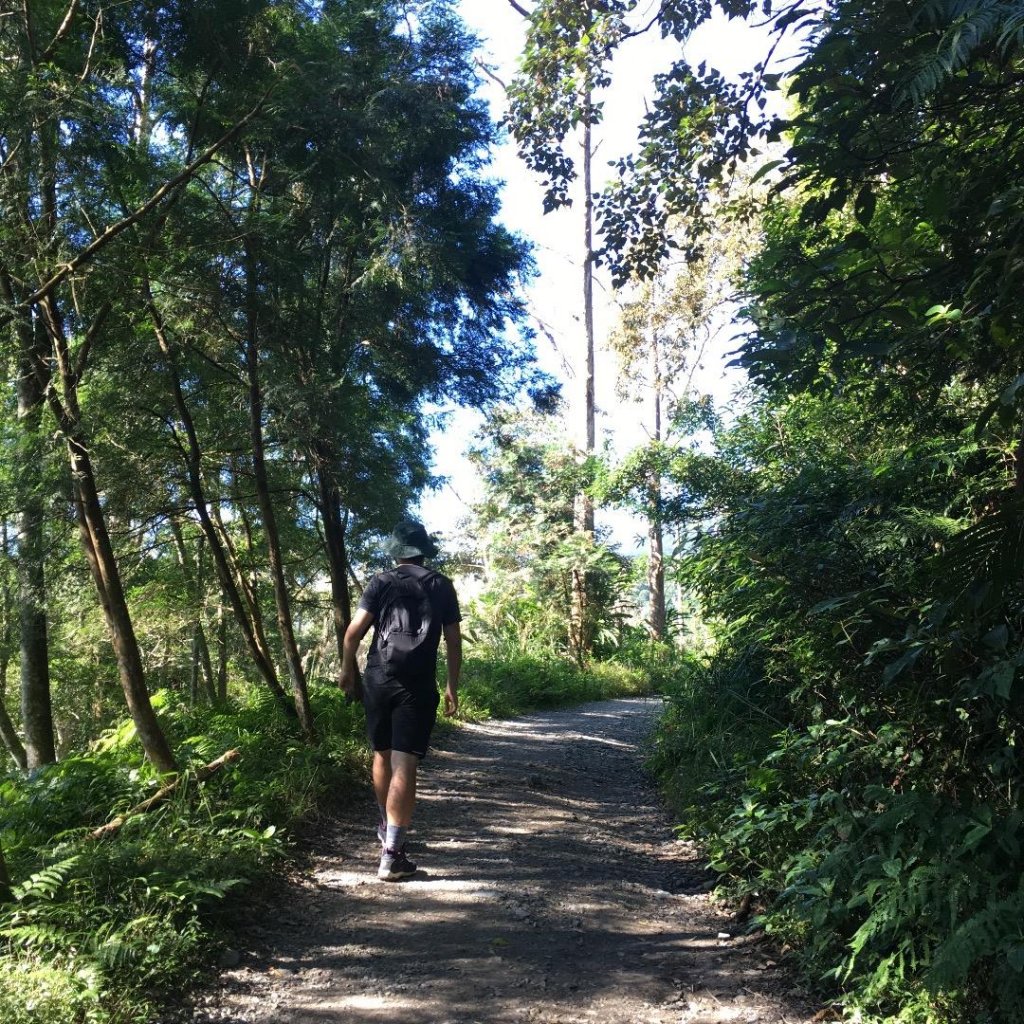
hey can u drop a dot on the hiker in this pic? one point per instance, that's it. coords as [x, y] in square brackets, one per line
[411, 607]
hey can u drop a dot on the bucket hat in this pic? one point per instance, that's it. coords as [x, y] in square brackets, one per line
[409, 539]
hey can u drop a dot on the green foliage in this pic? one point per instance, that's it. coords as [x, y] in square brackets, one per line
[499, 687]
[104, 931]
[718, 721]
[849, 753]
[99, 930]
[529, 551]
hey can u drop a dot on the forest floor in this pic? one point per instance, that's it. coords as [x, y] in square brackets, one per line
[551, 890]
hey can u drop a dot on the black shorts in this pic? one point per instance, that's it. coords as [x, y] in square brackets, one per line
[398, 716]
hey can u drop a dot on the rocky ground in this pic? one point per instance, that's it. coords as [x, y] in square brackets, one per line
[551, 890]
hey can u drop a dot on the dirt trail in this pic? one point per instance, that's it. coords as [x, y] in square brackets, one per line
[551, 889]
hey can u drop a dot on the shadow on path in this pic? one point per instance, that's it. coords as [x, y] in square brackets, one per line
[551, 889]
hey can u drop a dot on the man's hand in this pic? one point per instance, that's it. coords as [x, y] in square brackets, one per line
[451, 701]
[348, 680]
[453, 649]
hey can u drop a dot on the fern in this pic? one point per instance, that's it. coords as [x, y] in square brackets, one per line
[967, 27]
[45, 884]
[988, 557]
[995, 936]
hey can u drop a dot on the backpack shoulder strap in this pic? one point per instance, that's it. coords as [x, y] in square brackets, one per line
[421, 578]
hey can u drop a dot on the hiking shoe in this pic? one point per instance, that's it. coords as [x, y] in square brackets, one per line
[395, 865]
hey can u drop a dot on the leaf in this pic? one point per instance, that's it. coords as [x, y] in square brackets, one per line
[892, 868]
[996, 638]
[864, 205]
[975, 836]
[901, 664]
[1002, 678]
[831, 603]
[766, 169]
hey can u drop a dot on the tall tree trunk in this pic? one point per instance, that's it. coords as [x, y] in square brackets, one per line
[33, 380]
[588, 298]
[95, 537]
[282, 603]
[194, 574]
[656, 555]
[222, 653]
[107, 577]
[204, 659]
[581, 619]
[36, 704]
[229, 573]
[200, 632]
[247, 586]
[656, 580]
[33, 376]
[32, 165]
[337, 557]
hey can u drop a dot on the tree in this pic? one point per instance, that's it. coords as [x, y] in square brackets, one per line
[564, 65]
[303, 273]
[8, 731]
[530, 552]
[665, 328]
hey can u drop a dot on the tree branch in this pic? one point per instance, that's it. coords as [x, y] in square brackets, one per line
[490, 74]
[162, 794]
[519, 7]
[59, 34]
[122, 225]
[90, 337]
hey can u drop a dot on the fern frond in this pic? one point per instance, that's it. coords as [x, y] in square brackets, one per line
[986, 557]
[968, 28]
[994, 932]
[44, 884]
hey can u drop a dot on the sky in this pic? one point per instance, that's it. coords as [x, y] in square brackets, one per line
[555, 296]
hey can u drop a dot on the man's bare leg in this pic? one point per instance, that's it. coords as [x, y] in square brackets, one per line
[401, 794]
[381, 775]
[401, 798]
[381, 784]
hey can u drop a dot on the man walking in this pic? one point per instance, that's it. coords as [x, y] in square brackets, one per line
[411, 607]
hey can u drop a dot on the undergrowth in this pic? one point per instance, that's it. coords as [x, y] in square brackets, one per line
[902, 902]
[495, 687]
[102, 932]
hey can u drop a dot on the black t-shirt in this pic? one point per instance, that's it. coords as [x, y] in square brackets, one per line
[443, 601]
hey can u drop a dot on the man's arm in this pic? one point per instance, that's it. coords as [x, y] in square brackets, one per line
[453, 645]
[357, 628]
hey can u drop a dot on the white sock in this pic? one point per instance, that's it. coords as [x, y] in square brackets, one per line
[395, 838]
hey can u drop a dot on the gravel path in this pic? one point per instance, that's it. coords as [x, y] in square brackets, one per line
[551, 890]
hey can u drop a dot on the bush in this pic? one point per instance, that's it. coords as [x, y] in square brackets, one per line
[906, 901]
[719, 717]
[502, 687]
[99, 930]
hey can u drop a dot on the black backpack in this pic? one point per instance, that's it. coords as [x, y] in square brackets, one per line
[409, 630]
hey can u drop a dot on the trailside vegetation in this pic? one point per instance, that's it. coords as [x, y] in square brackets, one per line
[849, 750]
[108, 923]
